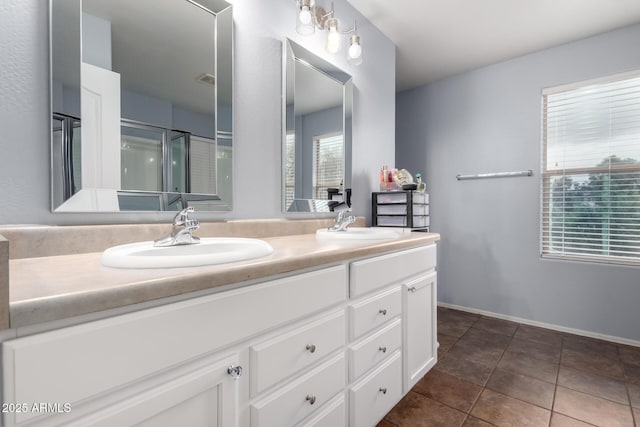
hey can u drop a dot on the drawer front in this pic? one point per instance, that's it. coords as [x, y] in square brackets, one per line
[373, 397]
[333, 415]
[398, 209]
[85, 360]
[296, 401]
[392, 197]
[373, 312]
[284, 355]
[374, 273]
[374, 349]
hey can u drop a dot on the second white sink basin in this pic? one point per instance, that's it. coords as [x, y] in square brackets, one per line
[210, 251]
[359, 233]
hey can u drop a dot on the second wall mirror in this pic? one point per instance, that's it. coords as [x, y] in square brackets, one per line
[316, 145]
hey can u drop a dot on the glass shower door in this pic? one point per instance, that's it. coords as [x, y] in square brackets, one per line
[142, 157]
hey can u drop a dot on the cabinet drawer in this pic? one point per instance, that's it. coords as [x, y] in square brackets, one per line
[374, 349]
[402, 209]
[297, 400]
[284, 355]
[374, 273]
[372, 312]
[403, 221]
[333, 415]
[375, 395]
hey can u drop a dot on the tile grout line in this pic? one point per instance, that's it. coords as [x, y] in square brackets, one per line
[626, 387]
[555, 387]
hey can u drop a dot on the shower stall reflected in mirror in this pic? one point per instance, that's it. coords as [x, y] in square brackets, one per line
[160, 169]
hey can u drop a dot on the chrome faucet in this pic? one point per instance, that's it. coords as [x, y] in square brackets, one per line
[343, 220]
[181, 231]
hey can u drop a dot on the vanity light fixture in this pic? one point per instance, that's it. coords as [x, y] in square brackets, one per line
[310, 16]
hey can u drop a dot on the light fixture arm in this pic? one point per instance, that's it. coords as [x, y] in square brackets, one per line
[321, 16]
[353, 29]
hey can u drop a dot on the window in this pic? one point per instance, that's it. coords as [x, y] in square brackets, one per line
[591, 171]
[328, 164]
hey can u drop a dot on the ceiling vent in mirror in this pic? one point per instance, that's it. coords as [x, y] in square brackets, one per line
[207, 78]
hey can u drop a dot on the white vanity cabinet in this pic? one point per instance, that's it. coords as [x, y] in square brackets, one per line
[135, 366]
[420, 335]
[205, 396]
[336, 346]
[392, 329]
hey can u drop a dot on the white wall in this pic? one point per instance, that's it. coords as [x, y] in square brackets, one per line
[260, 27]
[488, 120]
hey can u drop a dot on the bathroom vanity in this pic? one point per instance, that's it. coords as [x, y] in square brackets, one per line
[327, 333]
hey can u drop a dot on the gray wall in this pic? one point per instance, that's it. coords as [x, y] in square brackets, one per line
[488, 120]
[260, 27]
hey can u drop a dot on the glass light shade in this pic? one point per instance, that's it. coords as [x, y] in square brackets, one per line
[305, 15]
[304, 21]
[334, 38]
[354, 55]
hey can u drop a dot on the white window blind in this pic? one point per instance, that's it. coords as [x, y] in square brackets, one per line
[328, 164]
[591, 171]
[290, 169]
[203, 165]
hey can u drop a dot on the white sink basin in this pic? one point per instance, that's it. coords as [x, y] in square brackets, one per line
[359, 233]
[210, 251]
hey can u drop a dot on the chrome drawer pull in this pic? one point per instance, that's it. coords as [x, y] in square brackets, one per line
[383, 311]
[311, 348]
[234, 371]
[412, 289]
[311, 399]
[383, 349]
[383, 390]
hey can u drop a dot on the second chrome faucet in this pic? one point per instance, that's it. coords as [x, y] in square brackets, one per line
[181, 231]
[343, 220]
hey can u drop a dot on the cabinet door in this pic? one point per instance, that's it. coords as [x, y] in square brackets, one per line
[205, 396]
[420, 336]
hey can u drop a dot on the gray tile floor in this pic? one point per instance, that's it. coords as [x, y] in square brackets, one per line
[494, 372]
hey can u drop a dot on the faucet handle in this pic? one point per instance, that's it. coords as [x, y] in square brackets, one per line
[182, 217]
[192, 224]
[342, 213]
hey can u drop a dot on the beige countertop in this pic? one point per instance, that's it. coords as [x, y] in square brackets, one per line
[50, 288]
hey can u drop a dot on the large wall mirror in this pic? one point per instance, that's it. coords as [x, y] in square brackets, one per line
[141, 96]
[316, 146]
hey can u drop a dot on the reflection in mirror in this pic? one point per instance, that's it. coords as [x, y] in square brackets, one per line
[141, 95]
[317, 136]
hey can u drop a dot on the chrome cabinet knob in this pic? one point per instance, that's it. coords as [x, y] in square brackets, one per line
[311, 399]
[234, 371]
[412, 289]
[383, 349]
[311, 348]
[383, 390]
[383, 311]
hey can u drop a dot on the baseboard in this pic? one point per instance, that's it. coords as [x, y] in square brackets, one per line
[580, 332]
